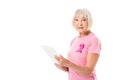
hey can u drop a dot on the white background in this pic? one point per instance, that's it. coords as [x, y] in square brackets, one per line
[26, 24]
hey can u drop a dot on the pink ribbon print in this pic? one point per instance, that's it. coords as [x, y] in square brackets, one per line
[81, 46]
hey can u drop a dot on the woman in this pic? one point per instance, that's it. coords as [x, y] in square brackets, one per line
[84, 50]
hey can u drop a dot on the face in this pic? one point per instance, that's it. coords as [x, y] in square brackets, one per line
[80, 23]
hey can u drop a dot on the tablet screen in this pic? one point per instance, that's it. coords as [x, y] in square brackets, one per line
[50, 52]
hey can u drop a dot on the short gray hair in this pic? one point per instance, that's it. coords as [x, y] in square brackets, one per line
[86, 13]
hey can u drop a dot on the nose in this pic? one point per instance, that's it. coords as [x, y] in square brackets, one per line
[80, 23]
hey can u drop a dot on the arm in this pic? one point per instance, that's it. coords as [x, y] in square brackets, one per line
[92, 59]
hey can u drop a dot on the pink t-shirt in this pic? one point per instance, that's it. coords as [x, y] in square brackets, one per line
[79, 49]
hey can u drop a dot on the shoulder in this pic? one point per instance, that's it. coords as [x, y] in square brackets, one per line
[94, 38]
[94, 44]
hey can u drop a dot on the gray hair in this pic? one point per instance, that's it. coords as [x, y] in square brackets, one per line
[86, 14]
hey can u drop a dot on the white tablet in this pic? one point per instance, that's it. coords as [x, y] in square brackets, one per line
[50, 52]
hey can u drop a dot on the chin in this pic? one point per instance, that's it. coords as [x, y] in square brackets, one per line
[80, 31]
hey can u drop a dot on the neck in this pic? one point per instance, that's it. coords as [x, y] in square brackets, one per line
[84, 34]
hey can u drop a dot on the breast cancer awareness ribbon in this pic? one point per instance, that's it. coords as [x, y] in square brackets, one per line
[81, 46]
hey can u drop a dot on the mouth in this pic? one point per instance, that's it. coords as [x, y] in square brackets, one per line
[80, 27]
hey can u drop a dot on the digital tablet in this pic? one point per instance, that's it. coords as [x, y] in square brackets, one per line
[50, 52]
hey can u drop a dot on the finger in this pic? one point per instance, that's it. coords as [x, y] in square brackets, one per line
[56, 64]
[61, 57]
[57, 58]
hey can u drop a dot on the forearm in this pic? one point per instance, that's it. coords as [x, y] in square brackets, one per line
[82, 70]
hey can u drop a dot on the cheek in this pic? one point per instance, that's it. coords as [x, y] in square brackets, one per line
[75, 23]
[86, 28]
[75, 26]
[85, 25]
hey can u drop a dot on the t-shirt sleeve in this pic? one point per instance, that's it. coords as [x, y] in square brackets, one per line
[95, 46]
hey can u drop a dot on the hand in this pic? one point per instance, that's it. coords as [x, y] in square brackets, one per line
[62, 61]
[61, 67]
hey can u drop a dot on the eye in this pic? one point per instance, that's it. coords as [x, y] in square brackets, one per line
[84, 19]
[76, 19]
